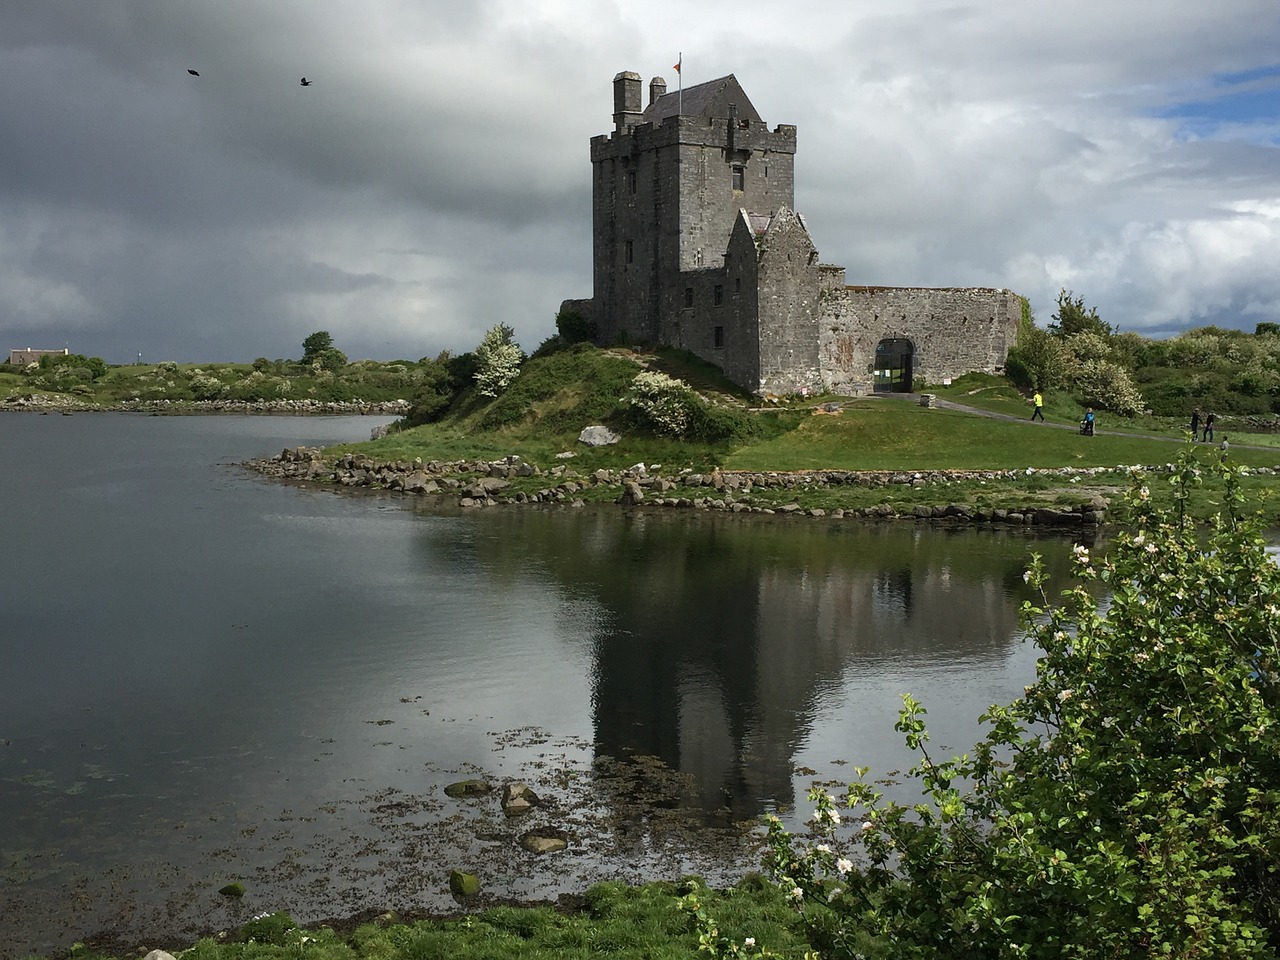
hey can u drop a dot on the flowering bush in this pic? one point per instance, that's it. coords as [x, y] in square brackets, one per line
[669, 404]
[1126, 805]
[498, 360]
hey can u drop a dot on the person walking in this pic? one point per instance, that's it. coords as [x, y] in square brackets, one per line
[1208, 427]
[1195, 423]
[1038, 402]
[1088, 422]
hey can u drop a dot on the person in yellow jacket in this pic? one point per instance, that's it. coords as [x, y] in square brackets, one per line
[1038, 402]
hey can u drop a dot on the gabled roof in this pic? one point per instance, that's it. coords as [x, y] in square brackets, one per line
[710, 99]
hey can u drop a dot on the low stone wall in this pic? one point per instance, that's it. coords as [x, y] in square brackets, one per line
[63, 403]
[481, 483]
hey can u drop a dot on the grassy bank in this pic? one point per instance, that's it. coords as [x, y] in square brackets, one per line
[542, 413]
[656, 921]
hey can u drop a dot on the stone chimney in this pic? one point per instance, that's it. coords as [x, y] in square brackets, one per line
[626, 100]
[657, 87]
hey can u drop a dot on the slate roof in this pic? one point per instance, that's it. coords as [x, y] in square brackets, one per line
[699, 100]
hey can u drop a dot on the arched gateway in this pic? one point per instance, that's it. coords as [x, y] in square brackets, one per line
[893, 368]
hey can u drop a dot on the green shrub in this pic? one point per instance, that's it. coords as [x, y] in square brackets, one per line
[271, 928]
[498, 360]
[1127, 805]
[573, 327]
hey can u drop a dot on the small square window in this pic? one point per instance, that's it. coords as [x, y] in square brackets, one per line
[718, 296]
[688, 296]
[719, 337]
[739, 177]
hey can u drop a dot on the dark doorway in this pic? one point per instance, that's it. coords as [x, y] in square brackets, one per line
[893, 366]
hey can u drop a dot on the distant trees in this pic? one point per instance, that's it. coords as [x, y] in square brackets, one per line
[1079, 353]
[318, 349]
[314, 344]
[1072, 318]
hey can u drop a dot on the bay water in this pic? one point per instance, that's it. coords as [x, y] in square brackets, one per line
[208, 677]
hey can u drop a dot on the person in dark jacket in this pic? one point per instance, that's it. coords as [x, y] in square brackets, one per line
[1208, 427]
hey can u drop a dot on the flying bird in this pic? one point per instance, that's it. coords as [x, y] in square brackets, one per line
[306, 82]
[194, 73]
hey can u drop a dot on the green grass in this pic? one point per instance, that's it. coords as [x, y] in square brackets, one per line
[614, 920]
[894, 434]
[543, 412]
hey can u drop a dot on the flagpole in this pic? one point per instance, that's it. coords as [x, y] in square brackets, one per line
[680, 89]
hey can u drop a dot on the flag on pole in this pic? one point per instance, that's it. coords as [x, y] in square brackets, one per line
[680, 88]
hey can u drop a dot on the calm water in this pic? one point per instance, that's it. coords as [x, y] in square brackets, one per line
[207, 677]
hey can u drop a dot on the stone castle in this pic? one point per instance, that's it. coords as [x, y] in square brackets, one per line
[697, 245]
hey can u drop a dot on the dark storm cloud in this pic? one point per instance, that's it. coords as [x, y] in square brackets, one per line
[435, 179]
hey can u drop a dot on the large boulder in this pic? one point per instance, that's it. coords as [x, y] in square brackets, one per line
[597, 436]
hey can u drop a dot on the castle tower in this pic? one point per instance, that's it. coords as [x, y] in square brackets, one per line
[696, 244]
[667, 187]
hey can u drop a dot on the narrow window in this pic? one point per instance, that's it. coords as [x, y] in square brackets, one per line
[719, 335]
[631, 250]
[739, 176]
[718, 295]
[688, 296]
[737, 284]
[631, 181]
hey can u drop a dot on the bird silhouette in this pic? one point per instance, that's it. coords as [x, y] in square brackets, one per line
[194, 73]
[305, 82]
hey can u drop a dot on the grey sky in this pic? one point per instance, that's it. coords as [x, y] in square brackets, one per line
[435, 178]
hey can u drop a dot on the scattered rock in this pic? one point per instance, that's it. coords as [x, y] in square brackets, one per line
[518, 798]
[463, 884]
[468, 788]
[544, 840]
[234, 890]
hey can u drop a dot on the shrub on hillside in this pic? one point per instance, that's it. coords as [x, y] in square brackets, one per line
[1036, 361]
[1106, 386]
[498, 360]
[1125, 806]
[573, 327]
[671, 407]
[667, 403]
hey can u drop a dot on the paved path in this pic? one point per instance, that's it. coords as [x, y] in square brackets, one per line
[1074, 427]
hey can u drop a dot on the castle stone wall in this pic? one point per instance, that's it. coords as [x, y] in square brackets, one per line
[788, 308]
[953, 331]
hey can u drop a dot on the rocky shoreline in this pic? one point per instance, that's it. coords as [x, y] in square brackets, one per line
[472, 484]
[59, 403]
